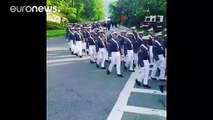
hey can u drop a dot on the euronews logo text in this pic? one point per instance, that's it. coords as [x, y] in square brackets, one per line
[30, 9]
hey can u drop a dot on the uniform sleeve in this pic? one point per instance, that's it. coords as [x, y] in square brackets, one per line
[140, 57]
[120, 49]
[96, 44]
[109, 48]
[155, 54]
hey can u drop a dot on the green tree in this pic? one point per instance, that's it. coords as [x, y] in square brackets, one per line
[136, 10]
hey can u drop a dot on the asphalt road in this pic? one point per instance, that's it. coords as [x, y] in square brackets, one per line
[77, 90]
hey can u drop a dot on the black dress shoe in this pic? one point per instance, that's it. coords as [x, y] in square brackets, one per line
[162, 79]
[80, 56]
[134, 65]
[153, 78]
[137, 82]
[119, 75]
[125, 67]
[76, 54]
[87, 53]
[103, 68]
[161, 88]
[70, 49]
[91, 61]
[108, 72]
[146, 86]
[83, 50]
[132, 70]
[150, 66]
[97, 65]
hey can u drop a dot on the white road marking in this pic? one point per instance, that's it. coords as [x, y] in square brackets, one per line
[148, 91]
[67, 59]
[147, 111]
[118, 109]
[121, 104]
[57, 64]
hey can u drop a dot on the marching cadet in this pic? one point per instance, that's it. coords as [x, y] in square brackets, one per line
[158, 52]
[151, 37]
[140, 38]
[115, 54]
[134, 32]
[84, 45]
[67, 33]
[122, 38]
[129, 50]
[92, 46]
[101, 47]
[143, 63]
[110, 34]
[106, 43]
[87, 36]
[72, 41]
[135, 44]
[79, 39]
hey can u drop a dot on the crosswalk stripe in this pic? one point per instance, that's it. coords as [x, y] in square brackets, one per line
[148, 91]
[118, 109]
[147, 111]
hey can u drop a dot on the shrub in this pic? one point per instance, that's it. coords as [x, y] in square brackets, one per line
[56, 26]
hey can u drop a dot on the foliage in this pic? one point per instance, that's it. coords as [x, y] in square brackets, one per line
[136, 10]
[79, 10]
[55, 26]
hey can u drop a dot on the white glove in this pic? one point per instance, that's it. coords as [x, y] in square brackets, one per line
[110, 58]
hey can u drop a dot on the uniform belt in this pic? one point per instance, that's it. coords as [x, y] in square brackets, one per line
[115, 50]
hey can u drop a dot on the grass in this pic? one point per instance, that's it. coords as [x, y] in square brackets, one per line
[55, 33]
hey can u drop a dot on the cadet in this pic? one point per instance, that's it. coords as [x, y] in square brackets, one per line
[143, 63]
[84, 45]
[122, 38]
[115, 54]
[92, 47]
[151, 37]
[67, 33]
[129, 50]
[72, 41]
[87, 36]
[101, 47]
[134, 32]
[136, 44]
[106, 43]
[158, 52]
[79, 39]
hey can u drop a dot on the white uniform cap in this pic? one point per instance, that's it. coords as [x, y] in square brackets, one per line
[133, 27]
[114, 33]
[158, 34]
[141, 32]
[122, 31]
[151, 29]
[145, 37]
[131, 34]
